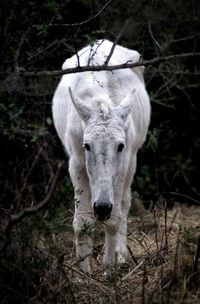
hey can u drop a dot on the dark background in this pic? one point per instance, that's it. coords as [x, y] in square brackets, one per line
[37, 36]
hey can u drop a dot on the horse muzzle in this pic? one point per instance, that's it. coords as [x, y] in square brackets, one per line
[102, 210]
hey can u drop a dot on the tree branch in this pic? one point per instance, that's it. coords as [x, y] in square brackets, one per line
[15, 218]
[116, 41]
[74, 24]
[126, 65]
[157, 44]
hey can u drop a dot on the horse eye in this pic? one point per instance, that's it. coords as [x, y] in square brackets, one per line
[87, 147]
[120, 147]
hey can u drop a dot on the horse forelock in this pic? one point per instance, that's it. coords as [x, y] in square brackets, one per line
[103, 109]
[104, 127]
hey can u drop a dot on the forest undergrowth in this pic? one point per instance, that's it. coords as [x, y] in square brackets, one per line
[162, 264]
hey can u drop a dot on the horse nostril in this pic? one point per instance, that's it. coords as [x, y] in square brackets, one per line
[102, 210]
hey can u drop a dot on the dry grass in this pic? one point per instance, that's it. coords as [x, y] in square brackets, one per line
[159, 269]
[162, 266]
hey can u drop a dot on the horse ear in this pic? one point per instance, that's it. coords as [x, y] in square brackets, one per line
[83, 110]
[125, 106]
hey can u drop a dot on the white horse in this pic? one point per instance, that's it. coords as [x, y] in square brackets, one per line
[102, 119]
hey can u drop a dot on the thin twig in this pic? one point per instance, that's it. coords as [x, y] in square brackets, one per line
[176, 255]
[178, 194]
[154, 39]
[166, 236]
[17, 54]
[189, 183]
[116, 41]
[144, 280]
[196, 257]
[20, 191]
[74, 24]
[173, 219]
[132, 256]
[132, 271]
[87, 276]
[155, 229]
[93, 52]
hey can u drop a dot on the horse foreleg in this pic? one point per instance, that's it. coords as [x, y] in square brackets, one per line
[83, 217]
[82, 229]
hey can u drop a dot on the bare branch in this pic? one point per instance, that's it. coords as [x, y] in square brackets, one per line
[74, 24]
[158, 46]
[30, 210]
[126, 65]
[179, 195]
[196, 257]
[189, 37]
[93, 52]
[17, 54]
[20, 191]
[116, 41]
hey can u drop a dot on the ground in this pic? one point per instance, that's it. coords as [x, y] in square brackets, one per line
[162, 266]
[39, 265]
